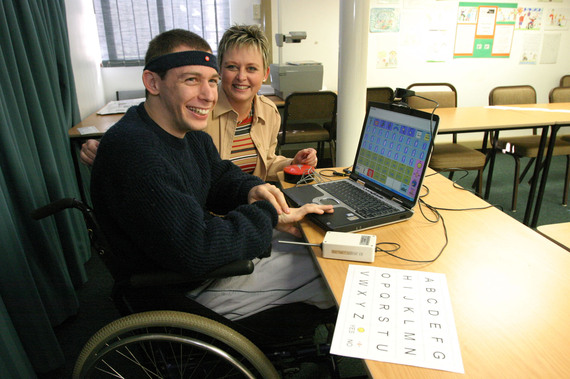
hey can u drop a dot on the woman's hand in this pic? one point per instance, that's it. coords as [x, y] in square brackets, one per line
[88, 152]
[306, 156]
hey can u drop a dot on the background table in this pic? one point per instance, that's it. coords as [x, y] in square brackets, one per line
[499, 118]
[559, 233]
[508, 285]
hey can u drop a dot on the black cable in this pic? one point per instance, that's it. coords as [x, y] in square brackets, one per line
[459, 187]
[452, 209]
[402, 103]
[431, 116]
[439, 217]
[456, 182]
[396, 247]
[463, 209]
[330, 173]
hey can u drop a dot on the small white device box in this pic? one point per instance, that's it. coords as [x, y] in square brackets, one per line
[349, 246]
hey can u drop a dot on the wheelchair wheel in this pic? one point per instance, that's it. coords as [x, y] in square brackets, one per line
[168, 344]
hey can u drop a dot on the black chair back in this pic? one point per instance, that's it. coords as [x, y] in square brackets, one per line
[135, 287]
[305, 115]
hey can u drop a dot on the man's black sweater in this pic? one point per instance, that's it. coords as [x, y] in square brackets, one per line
[154, 194]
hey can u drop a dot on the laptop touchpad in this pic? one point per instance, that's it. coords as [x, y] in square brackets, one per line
[326, 201]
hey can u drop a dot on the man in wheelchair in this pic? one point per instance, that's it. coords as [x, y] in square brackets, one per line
[165, 199]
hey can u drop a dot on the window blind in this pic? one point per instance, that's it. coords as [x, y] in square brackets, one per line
[125, 27]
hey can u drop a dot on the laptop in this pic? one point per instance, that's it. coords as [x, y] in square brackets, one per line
[390, 164]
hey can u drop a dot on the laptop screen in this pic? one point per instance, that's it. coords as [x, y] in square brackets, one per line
[393, 150]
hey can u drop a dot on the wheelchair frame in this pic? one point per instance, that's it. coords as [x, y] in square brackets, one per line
[170, 343]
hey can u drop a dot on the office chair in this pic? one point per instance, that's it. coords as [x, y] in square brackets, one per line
[448, 157]
[565, 81]
[310, 117]
[164, 334]
[559, 94]
[523, 146]
[562, 95]
[379, 94]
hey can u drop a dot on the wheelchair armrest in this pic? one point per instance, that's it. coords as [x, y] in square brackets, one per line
[235, 268]
[163, 277]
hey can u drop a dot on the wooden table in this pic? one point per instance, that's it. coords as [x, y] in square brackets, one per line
[508, 285]
[484, 118]
[558, 233]
[279, 102]
[101, 123]
[548, 117]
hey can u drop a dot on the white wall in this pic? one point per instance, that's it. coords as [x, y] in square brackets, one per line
[473, 77]
[241, 12]
[85, 55]
[320, 19]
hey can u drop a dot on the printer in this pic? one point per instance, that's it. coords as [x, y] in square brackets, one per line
[300, 76]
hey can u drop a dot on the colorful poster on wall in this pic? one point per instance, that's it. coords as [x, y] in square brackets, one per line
[530, 48]
[384, 20]
[484, 30]
[387, 59]
[529, 18]
[556, 19]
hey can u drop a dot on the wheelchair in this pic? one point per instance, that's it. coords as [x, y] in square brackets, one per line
[164, 334]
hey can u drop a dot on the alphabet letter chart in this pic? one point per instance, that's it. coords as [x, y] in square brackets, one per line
[397, 316]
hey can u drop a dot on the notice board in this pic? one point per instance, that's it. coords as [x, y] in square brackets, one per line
[485, 30]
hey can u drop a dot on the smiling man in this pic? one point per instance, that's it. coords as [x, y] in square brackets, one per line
[158, 181]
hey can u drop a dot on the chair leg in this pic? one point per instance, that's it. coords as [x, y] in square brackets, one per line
[332, 147]
[320, 146]
[479, 178]
[567, 182]
[491, 155]
[515, 184]
[527, 167]
[480, 183]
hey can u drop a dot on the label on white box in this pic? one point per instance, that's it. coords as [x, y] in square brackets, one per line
[349, 246]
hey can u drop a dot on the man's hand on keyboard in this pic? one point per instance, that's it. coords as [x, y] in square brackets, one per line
[287, 221]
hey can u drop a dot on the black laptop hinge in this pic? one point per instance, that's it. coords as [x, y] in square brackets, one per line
[360, 182]
[397, 200]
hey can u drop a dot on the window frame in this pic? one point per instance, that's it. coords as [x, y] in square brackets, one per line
[160, 17]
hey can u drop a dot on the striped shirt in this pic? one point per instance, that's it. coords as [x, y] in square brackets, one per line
[243, 152]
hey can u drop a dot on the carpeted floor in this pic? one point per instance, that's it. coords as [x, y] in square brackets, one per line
[551, 210]
[97, 309]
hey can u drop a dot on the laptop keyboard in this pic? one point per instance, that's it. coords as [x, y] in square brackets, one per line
[365, 204]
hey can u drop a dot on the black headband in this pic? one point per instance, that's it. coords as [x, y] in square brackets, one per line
[183, 58]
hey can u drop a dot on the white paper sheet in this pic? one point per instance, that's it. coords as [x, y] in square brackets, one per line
[120, 106]
[506, 107]
[397, 316]
[88, 130]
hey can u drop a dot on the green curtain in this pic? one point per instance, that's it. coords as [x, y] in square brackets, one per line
[41, 262]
